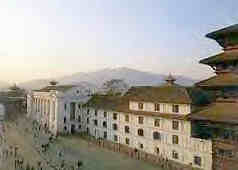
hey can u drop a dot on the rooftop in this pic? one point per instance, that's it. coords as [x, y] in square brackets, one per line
[220, 80]
[228, 56]
[223, 31]
[221, 112]
[61, 88]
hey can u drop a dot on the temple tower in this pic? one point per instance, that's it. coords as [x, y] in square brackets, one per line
[225, 64]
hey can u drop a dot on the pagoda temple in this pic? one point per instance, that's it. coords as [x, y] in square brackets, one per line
[225, 64]
[219, 120]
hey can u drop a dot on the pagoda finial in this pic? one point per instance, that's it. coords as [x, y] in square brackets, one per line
[170, 79]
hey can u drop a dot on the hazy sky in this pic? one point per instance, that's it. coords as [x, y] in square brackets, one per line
[48, 38]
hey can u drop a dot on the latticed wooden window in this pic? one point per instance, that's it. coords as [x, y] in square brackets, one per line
[127, 129]
[156, 136]
[115, 138]
[104, 124]
[140, 120]
[105, 114]
[157, 123]
[175, 155]
[197, 160]
[157, 107]
[114, 116]
[175, 125]
[175, 139]
[140, 132]
[127, 141]
[127, 118]
[175, 108]
[114, 126]
[140, 106]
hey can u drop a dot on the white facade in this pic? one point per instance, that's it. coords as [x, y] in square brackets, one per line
[188, 148]
[56, 110]
[166, 137]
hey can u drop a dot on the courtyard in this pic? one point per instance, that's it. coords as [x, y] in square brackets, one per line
[73, 148]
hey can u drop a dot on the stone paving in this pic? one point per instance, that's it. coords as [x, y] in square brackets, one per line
[68, 150]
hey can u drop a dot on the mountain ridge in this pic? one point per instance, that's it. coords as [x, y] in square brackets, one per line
[96, 79]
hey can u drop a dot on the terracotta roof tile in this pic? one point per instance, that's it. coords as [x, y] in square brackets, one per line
[220, 80]
[226, 56]
[223, 112]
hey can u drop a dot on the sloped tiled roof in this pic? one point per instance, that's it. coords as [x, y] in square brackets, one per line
[223, 31]
[220, 80]
[223, 112]
[61, 88]
[227, 56]
[162, 94]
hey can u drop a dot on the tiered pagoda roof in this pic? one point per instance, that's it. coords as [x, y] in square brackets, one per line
[224, 64]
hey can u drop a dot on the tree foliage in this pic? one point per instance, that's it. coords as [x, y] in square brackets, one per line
[115, 87]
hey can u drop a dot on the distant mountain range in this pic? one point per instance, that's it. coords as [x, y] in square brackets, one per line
[95, 80]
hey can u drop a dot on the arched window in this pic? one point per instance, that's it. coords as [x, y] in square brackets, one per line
[156, 136]
[140, 132]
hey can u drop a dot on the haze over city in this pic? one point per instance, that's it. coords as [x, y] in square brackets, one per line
[45, 39]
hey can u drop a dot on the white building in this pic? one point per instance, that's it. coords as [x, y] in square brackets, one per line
[57, 107]
[150, 119]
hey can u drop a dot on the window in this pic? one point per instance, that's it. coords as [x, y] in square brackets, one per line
[157, 107]
[175, 155]
[157, 123]
[127, 141]
[140, 106]
[87, 120]
[115, 138]
[79, 127]
[197, 160]
[96, 112]
[72, 111]
[156, 135]
[88, 111]
[65, 128]
[65, 107]
[114, 126]
[175, 139]
[127, 129]
[127, 118]
[114, 116]
[79, 118]
[95, 122]
[105, 114]
[175, 108]
[105, 135]
[141, 146]
[104, 124]
[140, 132]
[175, 125]
[79, 106]
[140, 120]
[53, 111]
[157, 150]
[64, 119]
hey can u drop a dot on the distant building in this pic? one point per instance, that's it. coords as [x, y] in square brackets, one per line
[57, 107]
